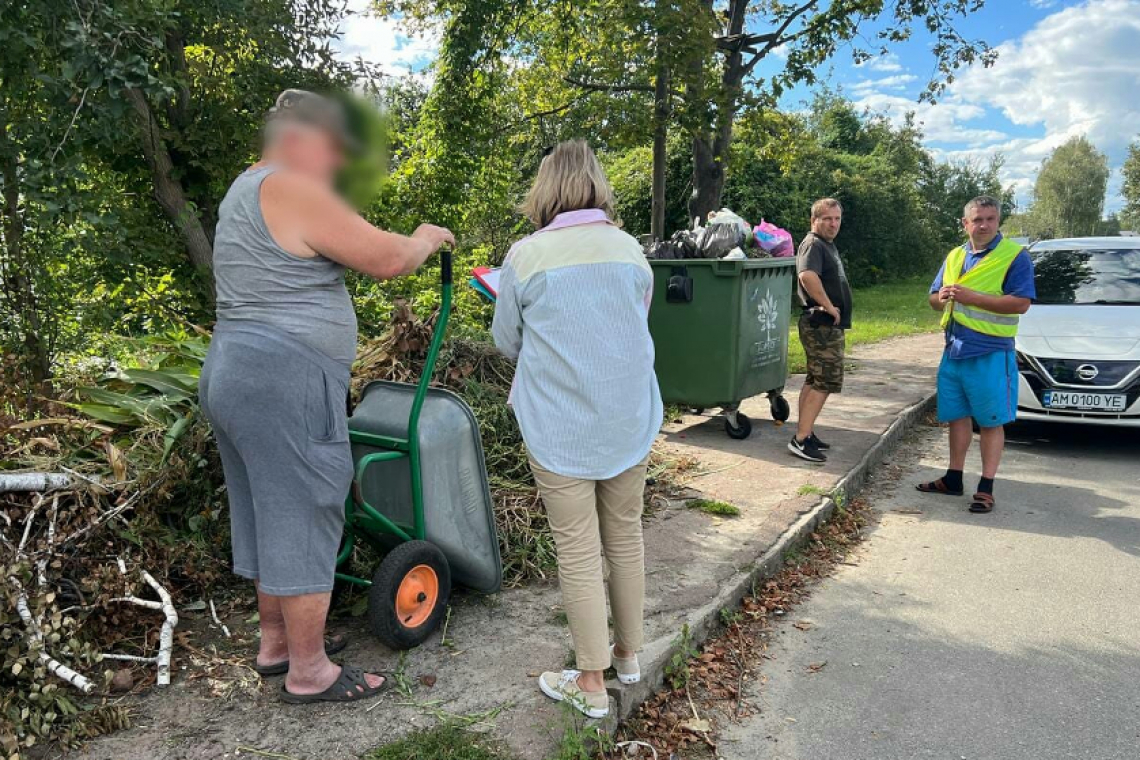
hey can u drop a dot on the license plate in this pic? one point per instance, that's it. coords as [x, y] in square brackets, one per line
[1097, 402]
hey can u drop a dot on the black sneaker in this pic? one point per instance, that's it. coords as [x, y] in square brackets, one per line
[818, 443]
[806, 449]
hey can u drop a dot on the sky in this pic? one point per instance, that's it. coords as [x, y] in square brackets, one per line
[1064, 68]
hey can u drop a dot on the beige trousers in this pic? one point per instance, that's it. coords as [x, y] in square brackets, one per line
[587, 516]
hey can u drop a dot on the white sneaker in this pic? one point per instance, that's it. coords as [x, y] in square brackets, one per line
[563, 687]
[628, 669]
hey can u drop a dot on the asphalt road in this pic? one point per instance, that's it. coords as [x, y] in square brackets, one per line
[979, 637]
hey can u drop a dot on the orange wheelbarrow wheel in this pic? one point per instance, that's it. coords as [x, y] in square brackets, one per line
[409, 594]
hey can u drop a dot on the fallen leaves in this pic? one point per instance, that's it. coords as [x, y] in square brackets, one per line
[721, 671]
[697, 725]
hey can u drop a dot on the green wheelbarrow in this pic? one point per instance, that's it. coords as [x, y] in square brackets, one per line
[420, 497]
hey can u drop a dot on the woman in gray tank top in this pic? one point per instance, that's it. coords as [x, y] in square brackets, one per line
[276, 378]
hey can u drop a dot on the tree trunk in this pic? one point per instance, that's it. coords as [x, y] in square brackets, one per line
[711, 148]
[19, 289]
[660, 149]
[708, 179]
[168, 190]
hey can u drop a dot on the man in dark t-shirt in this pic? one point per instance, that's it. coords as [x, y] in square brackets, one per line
[826, 300]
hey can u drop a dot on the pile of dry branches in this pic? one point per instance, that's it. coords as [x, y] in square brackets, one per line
[86, 574]
[90, 510]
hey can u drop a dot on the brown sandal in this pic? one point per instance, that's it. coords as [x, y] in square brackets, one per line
[982, 503]
[938, 486]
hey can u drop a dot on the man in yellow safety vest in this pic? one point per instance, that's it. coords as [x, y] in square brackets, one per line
[981, 290]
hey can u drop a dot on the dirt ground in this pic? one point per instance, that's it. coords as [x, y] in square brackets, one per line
[482, 672]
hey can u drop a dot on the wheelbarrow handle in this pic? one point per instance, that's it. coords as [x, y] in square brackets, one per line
[445, 259]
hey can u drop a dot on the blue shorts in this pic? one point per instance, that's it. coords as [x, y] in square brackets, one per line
[984, 387]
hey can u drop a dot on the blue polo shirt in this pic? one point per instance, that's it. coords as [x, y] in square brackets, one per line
[961, 341]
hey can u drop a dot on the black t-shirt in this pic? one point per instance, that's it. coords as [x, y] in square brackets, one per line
[817, 255]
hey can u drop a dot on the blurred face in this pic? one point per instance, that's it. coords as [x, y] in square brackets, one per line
[311, 151]
[827, 224]
[981, 224]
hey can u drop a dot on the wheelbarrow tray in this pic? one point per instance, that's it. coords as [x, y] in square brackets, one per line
[459, 515]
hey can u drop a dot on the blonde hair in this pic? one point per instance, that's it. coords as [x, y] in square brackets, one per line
[569, 179]
[823, 204]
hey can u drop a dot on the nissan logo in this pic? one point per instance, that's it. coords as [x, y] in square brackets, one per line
[1087, 372]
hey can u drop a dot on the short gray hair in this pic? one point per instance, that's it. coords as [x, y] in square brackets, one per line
[822, 205]
[307, 109]
[982, 201]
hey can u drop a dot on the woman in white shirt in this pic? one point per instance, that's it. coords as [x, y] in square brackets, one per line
[572, 309]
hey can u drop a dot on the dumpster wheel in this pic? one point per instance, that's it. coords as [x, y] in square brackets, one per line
[781, 409]
[743, 427]
[409, 594]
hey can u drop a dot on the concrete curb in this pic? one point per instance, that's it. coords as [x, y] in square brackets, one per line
[656, 654]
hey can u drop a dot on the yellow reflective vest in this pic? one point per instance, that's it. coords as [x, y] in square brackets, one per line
[987, 276]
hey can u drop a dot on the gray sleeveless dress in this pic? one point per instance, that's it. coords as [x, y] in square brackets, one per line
[274, 387]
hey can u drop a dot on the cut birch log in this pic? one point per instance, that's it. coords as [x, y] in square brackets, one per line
[219, 623]
[31, 622]
[165, 637]
[54, 666]
[11, 482]
[129, 658]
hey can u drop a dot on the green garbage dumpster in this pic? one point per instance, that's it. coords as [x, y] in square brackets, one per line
[720, 332]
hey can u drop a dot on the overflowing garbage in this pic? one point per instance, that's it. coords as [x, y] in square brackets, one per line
[726, 235]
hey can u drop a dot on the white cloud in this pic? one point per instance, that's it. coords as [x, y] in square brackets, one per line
[1076, 72]
[380, 40]
[1042, 3]
[896, 82]
[886, 64]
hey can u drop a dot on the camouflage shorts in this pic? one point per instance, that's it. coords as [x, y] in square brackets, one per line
[824, 348]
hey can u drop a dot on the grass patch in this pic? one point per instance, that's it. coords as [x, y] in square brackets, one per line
[441, 743]
[881, 312]
[808, 488]
[711, 507]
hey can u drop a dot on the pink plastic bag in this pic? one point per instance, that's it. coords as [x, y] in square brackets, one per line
[775, 240]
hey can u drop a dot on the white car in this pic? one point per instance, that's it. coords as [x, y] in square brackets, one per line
[1078, 347]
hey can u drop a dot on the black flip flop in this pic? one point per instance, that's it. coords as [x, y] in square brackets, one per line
[982, 503]
[938, 486]
[333, 644]
[350, 686]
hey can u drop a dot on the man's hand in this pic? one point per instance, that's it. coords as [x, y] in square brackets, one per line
[833, 310]
[434, 236]
[963, 295]
[945, 294]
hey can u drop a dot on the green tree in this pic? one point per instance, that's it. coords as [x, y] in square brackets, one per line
[1069, 194]
[1130, 215]
[707, 51]
[947, 186]
[121, 124]
[186, 81]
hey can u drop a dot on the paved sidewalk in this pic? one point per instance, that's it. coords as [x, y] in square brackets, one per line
[1005, 636]
[496, 645]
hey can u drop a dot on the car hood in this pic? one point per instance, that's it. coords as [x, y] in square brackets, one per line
[1081, 332]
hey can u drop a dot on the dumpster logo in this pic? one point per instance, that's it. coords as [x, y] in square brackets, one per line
[766, 351]
[766, 313]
